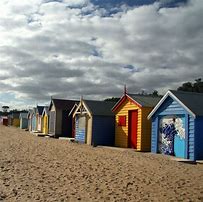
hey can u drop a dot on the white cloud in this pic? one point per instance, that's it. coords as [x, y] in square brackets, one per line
[52, 48]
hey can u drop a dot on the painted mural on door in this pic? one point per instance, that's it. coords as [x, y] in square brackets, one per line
[172, 136]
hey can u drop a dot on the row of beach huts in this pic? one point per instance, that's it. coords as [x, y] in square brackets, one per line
[171, 125]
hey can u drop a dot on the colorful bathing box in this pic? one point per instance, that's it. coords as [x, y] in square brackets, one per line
[177, 125]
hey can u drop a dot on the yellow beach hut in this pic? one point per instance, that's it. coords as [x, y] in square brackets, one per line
[15, 120]
[45, 120]
[132, 128]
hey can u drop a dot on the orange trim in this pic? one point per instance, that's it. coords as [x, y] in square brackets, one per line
[123, 99]
[135, 102]
[118, 104]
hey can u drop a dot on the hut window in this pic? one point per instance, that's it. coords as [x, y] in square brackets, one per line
[121, 120]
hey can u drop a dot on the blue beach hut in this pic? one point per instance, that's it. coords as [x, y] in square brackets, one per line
[23, 120]
[177, 125]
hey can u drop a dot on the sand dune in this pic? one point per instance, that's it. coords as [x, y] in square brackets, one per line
[43, 169]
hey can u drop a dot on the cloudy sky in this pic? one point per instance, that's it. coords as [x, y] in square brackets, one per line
[69, 48]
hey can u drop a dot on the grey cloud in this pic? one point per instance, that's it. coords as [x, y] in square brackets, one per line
[71, 54]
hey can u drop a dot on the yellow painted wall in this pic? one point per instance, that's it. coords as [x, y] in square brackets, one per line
[45, 124]
[146, 130]
[121, 132]
[16, 122]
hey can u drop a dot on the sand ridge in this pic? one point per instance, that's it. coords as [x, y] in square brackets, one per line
[45, 169]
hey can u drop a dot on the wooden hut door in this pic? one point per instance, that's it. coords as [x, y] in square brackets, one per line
[132, 134]
[172, 135]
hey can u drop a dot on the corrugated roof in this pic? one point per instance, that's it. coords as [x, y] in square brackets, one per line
[193, 101]
[145, 100]
[64, 104]
[102, 108]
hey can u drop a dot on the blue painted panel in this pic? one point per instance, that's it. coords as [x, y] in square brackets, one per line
[34, 123]
[154, 133]
[199, 138]
[182, 147]
[191, 138]
[103, 130]
[179, 147]
[23, 123]
[80, 129]
[170, 106]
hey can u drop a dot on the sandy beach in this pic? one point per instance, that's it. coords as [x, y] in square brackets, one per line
[45, 169]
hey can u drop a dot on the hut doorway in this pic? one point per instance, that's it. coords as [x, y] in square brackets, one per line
[34, 123]
[132, 134]
[172, 139]
[81, 128]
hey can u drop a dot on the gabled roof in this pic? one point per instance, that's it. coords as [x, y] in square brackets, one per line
[63, 104]
[45, 111]
[39, 110]
[102, 108]
[140, 100]
[190, 101]
[73, 109]
[30, 111]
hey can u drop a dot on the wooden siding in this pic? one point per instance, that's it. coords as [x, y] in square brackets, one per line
[172, 107]
[191, 138]
[45, 124]
[23, 123]
[33, 122]
[199, 138]
[121, 132]
[58, 127]
[154, 135]
[89, 129]
[145, 130]
[39, 123]
[16, 122]
[66, 124]
[103, 132]
[52, 121]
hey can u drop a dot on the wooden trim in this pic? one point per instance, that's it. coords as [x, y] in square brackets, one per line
[169, 93]
[123, 99]
[186, 136]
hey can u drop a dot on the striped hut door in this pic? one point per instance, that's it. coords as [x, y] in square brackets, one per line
[81, 129]
[132, 135]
